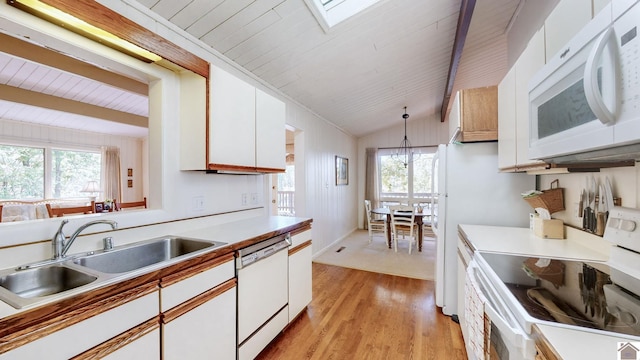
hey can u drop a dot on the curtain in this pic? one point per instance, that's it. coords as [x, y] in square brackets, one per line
[371, 180]
[112, 176]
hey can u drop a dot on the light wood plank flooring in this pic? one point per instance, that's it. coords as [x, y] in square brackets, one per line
[358, 314]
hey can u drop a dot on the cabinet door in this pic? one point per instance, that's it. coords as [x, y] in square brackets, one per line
[568, 17]
[531, 60]
[270, 131]
[299, 279]
[207, 331]
[84, 335]
[507, 122]
[232, 130]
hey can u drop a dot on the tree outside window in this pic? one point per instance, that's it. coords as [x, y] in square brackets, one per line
[400, 184]
[71, 170]
[22, 172]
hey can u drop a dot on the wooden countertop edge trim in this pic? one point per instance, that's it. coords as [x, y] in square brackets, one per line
[300, 247]
[306, 224]
[65, 319]
[193, 303]
[120, 341]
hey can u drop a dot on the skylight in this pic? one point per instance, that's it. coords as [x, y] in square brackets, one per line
[332, 12]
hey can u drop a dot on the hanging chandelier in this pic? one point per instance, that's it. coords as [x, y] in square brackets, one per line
[404, 153]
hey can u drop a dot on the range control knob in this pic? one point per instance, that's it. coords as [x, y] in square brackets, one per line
[627, 225]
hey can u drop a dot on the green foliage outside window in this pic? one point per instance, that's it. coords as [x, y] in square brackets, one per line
[71, 170]
[400, 183]
[21, 172]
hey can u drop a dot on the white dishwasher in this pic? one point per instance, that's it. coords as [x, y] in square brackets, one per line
[263, 293]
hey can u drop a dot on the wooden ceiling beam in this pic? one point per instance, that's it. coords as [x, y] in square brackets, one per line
[32, 98]
[54, 59]
[464, 21]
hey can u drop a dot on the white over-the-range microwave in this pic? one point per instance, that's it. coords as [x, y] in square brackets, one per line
[585, 102]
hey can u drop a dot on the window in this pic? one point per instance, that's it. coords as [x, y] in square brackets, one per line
[44, 172]
[21, 172]
[405, 185]
[329, 13]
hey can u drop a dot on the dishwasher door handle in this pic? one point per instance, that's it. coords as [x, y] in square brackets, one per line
[254, 257]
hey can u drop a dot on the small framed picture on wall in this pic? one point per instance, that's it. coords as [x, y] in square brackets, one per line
[130, 183]
[342, 171]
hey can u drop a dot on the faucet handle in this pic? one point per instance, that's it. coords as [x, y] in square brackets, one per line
[58, 241]
[107, 243]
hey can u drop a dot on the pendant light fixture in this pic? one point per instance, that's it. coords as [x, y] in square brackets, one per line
[405, 152]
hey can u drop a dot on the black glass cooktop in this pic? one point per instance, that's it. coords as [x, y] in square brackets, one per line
[586, 294]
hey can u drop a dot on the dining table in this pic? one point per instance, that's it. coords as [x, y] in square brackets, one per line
[421, 217]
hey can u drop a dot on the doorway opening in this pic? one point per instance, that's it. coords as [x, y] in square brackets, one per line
[285, 183]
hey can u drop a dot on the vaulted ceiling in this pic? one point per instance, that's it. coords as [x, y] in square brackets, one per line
[358, 75]
[361, 73]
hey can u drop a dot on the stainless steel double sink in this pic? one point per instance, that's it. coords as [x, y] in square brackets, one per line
[49, 280]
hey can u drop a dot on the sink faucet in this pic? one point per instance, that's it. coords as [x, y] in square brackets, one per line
[61, 245]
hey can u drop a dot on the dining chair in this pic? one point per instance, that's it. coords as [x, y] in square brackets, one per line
[373, 224]
[61, 211]
[120, 206]
[403, 225]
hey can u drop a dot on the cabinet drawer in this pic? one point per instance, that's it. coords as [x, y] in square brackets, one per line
[77, 338]
[177, 289]
[300, 238]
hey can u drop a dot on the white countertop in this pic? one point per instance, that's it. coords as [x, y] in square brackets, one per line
[568, 343]
[511, 240]
[575, 344]
[229, 232]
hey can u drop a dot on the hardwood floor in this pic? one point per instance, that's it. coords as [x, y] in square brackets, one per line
[357, 314]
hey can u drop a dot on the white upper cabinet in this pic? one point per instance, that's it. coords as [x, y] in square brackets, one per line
[246, 126]
[232, 126]
[507, 121]
[564, 22]
[270, 132]
[513, 108]
[531, 60]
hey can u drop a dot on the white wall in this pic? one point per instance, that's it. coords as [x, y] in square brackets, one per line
[625, 182]
[428, 131]
[171, 191]
[333, 208]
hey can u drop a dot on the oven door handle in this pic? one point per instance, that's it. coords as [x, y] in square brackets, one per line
[497, 311]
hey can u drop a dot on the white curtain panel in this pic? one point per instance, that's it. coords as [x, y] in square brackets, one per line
[112, 188]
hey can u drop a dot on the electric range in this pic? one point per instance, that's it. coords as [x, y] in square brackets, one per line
[601, 297]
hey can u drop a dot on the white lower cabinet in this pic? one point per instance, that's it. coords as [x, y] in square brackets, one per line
[198, 312]
[207, 331]
[300, 277]
[79, 337]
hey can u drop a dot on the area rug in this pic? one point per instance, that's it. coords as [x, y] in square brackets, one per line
[356, 252]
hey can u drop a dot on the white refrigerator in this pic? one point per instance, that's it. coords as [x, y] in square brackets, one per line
[470, 190]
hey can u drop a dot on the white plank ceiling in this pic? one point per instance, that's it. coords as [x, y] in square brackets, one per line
[362, 73]
[24, 74]
[359, 75]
